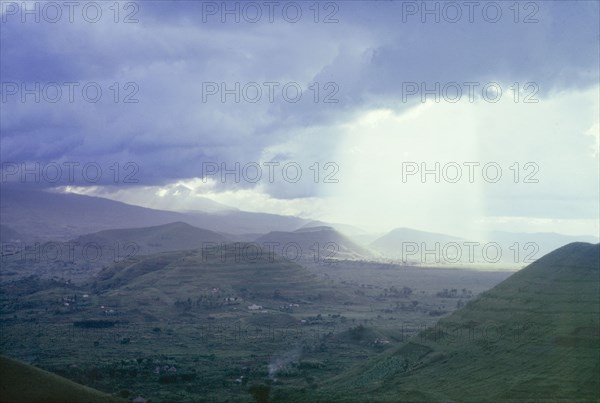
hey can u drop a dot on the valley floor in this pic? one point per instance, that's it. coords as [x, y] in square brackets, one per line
[217, 344]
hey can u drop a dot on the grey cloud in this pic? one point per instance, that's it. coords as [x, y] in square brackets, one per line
[170, 53]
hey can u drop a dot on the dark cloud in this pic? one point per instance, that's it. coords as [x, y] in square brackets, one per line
[163, 61]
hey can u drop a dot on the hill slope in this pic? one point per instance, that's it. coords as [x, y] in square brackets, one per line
[330, 244]
[161, 238]
[533, 337]
[153, 284]
[20, 382]
[82, 257]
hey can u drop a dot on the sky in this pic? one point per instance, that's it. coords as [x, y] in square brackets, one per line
[454, 117]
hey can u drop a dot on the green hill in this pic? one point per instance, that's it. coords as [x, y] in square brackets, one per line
[155, 282]
[533, 337]
[20, 382]
[161, 238]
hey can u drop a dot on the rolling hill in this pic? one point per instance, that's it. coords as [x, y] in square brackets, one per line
[81, 258]
[533, 337]
[153, 284]
[20, 382]
[161, 238]
[329, 243]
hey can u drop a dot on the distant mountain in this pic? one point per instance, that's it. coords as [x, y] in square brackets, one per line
[392, 243]
[346, 229]
[533, 245]
[505, 247]
[20, 382]
[243, 222]
[357, 234]
[533, 337]
[39, 215]
[316, 243]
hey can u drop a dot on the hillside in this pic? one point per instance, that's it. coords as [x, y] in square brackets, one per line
[533, 337]
[161, 238]
[329, 243]
[153, 284]
[20, 382]
[81, 258]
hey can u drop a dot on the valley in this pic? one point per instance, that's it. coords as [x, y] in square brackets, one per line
[177, 313]
[187, 326]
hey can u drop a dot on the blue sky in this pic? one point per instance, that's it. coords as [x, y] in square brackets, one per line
[364, 57]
